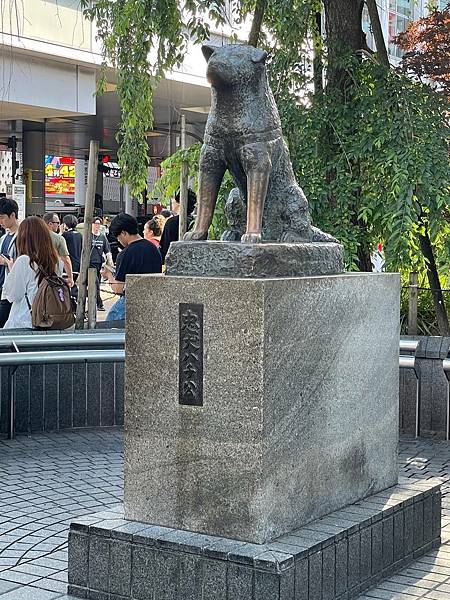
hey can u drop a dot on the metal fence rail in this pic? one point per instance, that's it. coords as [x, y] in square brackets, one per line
[12, 360]
[409, 362]
[446, 367]
[19, 350]
[48, 357]
[56, 340]
[408, 345]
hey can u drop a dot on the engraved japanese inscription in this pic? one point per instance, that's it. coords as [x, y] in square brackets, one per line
[190, 380]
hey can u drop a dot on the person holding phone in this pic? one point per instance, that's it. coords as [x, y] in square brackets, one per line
[100, 252]
[8, 220]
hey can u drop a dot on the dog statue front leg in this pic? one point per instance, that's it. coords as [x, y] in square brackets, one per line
[211, 171]
[257, 183]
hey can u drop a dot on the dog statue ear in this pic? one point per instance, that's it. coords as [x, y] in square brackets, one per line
[259, 56]
[208, 51]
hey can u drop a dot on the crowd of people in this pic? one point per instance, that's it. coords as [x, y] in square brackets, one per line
[39, 248]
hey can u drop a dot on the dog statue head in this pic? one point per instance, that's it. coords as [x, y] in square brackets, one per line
[234, 64]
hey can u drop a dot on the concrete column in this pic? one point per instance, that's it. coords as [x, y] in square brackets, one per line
[80, 181]
[33, 144]
[129, 201]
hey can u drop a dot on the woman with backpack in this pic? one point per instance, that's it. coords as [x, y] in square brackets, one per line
[36, 263]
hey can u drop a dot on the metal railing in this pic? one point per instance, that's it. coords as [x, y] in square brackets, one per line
[408, 361]
[446, 367]
[57, 340]
[15, 357]
[12, 356]
[408, 345]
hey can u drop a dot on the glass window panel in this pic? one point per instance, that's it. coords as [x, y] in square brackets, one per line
[402, 23]
[392, 27]
[404, 7]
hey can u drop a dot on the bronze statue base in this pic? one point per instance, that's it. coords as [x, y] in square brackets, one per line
[256, 261]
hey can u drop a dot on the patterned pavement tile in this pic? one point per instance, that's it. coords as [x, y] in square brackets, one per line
[48, 479]
[429, 577]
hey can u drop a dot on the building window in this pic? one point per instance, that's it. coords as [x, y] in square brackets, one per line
[400, 14]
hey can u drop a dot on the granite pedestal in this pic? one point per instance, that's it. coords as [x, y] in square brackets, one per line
[335, 557]
[285, 410]
[261, 420]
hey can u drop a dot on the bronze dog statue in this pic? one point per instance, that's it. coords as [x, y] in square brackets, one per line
[243, 134]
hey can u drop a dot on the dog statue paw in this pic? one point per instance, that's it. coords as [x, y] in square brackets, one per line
[251, 238]
[195, 235]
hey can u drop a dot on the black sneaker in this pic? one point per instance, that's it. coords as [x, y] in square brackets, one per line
[101, 308]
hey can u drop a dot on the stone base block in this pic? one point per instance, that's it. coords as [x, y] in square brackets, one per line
[266, 403]
[335, 557]
[233, 259]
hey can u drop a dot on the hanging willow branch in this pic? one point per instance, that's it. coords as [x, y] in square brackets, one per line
[142, 40]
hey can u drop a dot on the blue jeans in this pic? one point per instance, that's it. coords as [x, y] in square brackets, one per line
[117, 310]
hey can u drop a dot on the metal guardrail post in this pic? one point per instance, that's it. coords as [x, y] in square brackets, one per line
[409, 362]
[418, 401]
[446, 367]
[11, 400]
[12, 393]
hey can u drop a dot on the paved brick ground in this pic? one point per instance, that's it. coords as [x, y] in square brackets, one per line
[429, 577]
[46, 480]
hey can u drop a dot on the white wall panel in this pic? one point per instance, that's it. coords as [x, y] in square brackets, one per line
[54, 85]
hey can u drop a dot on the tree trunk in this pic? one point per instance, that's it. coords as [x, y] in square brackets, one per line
[344, 34]
[378, 32]
[87, 234]
[435, 284]
[364, 262]
[317, 60]
[255, 31]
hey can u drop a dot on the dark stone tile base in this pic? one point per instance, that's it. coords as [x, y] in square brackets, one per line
[337, 556]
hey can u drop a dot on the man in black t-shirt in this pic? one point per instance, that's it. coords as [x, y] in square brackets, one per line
[74, 241]
[138, 257]
[170, 231]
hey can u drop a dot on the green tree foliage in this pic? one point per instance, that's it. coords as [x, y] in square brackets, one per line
[143, 39]
[374, 163]
[169, 183]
